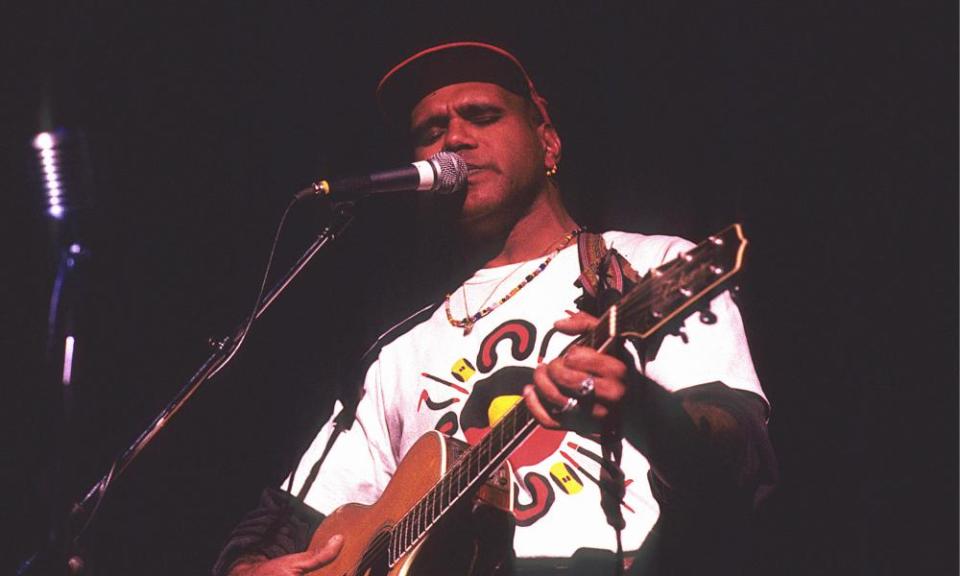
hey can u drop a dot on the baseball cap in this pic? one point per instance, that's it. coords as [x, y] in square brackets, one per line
[428, 70]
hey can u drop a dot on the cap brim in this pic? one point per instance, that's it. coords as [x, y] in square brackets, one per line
[427, 71]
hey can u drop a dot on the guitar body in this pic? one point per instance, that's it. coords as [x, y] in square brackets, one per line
[448, 548]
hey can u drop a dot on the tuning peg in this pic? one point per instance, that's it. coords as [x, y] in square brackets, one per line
[679, 331]
[218, 344]
[735, 292]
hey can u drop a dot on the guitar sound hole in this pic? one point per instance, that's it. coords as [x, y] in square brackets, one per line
[375, 561]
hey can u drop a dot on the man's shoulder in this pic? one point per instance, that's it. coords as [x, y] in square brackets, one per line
[402, 332]
[645, 251]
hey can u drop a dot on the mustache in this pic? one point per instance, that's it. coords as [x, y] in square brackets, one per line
[476, 166]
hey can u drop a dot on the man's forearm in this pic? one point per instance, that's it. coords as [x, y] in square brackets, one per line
[279, 525]
[701, 440]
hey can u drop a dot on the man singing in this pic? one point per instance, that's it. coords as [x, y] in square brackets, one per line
[659, 448]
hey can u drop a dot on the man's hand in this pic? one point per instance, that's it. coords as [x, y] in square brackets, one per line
[571, 376]
[291, 564]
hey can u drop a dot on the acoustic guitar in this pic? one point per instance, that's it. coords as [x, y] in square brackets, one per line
[441, 476]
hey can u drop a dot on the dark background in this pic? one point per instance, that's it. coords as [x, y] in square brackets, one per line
[828, 129]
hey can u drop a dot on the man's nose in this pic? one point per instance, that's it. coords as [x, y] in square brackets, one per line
[459, 136]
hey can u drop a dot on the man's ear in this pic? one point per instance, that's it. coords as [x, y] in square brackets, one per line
[552, 147]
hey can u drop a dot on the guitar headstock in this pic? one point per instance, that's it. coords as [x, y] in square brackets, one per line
[670, 289]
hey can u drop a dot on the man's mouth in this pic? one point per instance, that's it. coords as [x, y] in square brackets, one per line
[474, 168]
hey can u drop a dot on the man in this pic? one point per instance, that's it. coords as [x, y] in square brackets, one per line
[687, 411]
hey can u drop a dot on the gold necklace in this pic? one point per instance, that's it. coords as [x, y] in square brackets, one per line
[469, 320]
[463, 289]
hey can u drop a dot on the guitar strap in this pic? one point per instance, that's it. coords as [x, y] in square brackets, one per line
[605, 276]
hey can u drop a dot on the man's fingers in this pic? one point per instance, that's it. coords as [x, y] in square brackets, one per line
[537, 410]
[568, 374]
[547, 389]
[565, 379]
[587, 360]
[577, 323]
[313, 559]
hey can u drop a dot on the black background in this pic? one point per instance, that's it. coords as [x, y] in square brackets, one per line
[828, 129]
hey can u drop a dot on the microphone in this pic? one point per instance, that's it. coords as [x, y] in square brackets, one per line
[442, 173]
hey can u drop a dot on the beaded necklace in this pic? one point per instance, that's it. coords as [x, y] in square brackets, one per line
[469, 320]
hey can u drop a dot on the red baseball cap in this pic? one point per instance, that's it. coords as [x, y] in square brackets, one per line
[426, 71]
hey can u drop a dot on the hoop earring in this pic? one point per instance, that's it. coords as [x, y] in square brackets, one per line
[553, 171]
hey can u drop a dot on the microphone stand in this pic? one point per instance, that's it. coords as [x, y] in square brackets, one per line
[68, 556]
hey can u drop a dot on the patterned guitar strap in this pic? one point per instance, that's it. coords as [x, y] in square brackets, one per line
[605, 276]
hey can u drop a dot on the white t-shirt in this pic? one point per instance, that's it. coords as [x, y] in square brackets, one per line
[436, 378]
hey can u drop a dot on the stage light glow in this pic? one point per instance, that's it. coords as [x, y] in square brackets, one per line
[44, 141]
[47, 143]
[68, 345]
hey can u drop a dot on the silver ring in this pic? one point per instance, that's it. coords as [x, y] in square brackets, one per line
[586, 387]
[570, 405]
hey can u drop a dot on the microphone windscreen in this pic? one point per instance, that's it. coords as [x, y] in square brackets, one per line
[451, 172]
